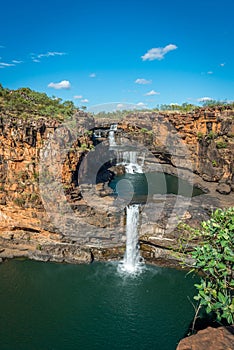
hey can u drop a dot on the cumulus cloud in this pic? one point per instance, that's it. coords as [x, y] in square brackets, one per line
[152, 93]
[64, 84]
[158, 53]
[85, 100]
[143, 81]
[222, 64]
[141, 104]
[92, 75]
[77, 97]
[204, 99]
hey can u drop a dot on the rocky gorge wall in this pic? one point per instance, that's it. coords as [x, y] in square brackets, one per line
[91, 227]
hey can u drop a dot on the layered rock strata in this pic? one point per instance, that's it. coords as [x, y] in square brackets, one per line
[49, 210]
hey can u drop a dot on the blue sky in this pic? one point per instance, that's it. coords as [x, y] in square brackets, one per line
[139, 52]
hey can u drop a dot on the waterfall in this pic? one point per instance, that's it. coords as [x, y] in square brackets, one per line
[111, 137]
[131, 263]
[130, 159]
[97, 134]
[133, 161]
[132, 255]
[113, 127]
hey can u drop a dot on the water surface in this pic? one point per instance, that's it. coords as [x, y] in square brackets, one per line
[145, 185]
[47, 306]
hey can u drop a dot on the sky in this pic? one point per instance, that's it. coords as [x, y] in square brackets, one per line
[131, 53]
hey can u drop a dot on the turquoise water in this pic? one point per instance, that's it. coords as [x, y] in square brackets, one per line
[48, 306]
[144, 185]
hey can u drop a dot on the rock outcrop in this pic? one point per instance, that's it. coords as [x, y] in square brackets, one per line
[43, 159]
[221, 338]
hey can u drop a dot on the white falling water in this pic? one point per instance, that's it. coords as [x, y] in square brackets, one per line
[130, 160]
[133, 162]
[97, 134]
[111, 137]
[113, 127]
[131, 263]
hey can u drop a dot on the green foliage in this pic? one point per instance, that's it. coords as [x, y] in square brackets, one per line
[214, 163]
[212, 135]
[20, 201]
[200, 135]
[117, 115]
[26, 103]
[84, 146]
[214, 257]
[144, 130]
[218, 104]
[221, 144]
[88, 132]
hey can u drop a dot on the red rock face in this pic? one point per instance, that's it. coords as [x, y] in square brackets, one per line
[209, 339]
[208, 135]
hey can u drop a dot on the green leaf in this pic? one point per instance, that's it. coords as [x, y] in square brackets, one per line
[221, 298]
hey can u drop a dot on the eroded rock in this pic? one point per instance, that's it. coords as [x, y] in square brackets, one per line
[221, 338]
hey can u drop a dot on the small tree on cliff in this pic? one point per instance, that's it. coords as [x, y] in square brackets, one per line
[214, 257]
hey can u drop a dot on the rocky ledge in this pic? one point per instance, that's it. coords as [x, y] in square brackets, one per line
[221, 338]
[51, 210]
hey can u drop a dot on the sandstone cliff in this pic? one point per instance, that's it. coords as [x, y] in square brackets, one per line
[204, 139]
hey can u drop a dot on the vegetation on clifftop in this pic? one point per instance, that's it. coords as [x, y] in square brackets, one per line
[183, 108]
[26, 103]
[214, 258]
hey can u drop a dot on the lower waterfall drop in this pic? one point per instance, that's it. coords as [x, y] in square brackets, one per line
[132, 262]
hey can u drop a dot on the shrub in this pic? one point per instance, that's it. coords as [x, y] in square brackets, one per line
[214, 257]
[221, 144]
[211, 135]
[144, 130]
[200, 135]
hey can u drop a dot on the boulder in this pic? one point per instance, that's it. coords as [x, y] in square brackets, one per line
[223, 188]
[221, 338]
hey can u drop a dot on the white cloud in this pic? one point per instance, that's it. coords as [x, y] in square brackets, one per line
[204, 99]
[17, 62]
[92, 75]
[77, 97]
[37, 57]
[152, 93]
[119, 106]
[222, 64]
[141, 104]
[64, 84]
[158, 53]
[51, 54]
[143, 81]
[209, 72]
[85, 100]
[4, 64]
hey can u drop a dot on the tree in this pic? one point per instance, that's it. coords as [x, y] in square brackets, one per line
[214, 257]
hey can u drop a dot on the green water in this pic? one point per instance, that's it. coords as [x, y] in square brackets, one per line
[141, 186]
[47, 306]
